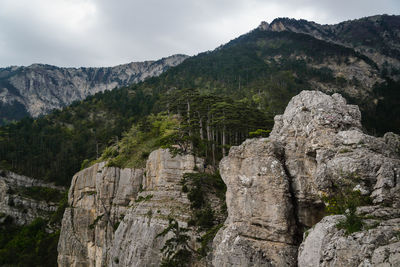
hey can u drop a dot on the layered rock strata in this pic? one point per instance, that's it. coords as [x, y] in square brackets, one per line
[39, 88]
[136, 242]
[98, 199]
[276, 185]
[20, 206]
[116, 214]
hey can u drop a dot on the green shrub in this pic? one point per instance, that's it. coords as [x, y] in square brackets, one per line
[141, 198]
[57, 216]
[29, 245]
[176, 250]
[259, 133]
[85, 164]
[207, 238]
[203, 218]
[40, 193]
[345, 201]
[344, 150]
[136, 144]
[351, 224]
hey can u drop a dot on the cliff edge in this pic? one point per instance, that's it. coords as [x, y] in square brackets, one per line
[278, 187]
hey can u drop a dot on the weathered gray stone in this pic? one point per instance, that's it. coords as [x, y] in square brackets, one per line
[136, 242]
[22, 208]
[42, 88]
[98, 198]
[275, 187]
[327, 246]
[260, 225]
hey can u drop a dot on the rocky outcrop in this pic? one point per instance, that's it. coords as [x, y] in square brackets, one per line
[116, 214]
[136, 242]
[260, 225]
[98, 199]
[19, 198]
[276, 186]
[38, 89]
[326, 246]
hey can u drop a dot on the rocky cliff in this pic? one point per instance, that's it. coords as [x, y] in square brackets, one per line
[24, 199]
[279, 186]
[116, 214]
[136, 242]
[37, 89]
[316, 192]
[98, 199]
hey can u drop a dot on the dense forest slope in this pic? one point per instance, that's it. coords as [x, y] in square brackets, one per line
[39, 88]
[377, 37]
[260, 70]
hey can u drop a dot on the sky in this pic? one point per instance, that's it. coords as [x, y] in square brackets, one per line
[74, 33]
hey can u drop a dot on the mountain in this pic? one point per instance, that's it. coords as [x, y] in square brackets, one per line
[317, 153]
[262, 69]
[38, 88]
[377, 37]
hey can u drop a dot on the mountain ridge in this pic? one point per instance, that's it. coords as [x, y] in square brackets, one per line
[39, 88]
[368, 35]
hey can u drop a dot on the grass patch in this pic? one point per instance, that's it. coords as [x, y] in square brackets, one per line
[146, 198]
[136, 144]
[345, 201]
[345, 150]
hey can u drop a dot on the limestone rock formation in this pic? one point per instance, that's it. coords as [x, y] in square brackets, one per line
[98, 199]
[16, 202]
[326, 246]
[276, 185]
[115, 214]
[136, 242]
[260, 226]
[37, 89]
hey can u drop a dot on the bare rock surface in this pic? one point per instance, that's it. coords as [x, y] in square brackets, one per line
[327, 246]
[136, 242]
[98, 199]
[260, 224]
[16, 203]
[40, 88]
[116, 214]
[276, 185]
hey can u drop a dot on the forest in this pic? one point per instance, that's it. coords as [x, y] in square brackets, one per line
[220, 96]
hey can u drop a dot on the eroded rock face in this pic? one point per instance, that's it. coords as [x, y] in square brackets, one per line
[98, 198]
[327, 246]
[136, 242]
[275, 185]
[261, 223]
[38, 88]
[16, 203]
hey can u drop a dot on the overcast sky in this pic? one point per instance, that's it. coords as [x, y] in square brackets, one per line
[111, 32]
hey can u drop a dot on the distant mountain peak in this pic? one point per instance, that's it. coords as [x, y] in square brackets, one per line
[39, 88]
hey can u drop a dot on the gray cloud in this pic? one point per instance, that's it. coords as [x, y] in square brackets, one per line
[104, 32]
